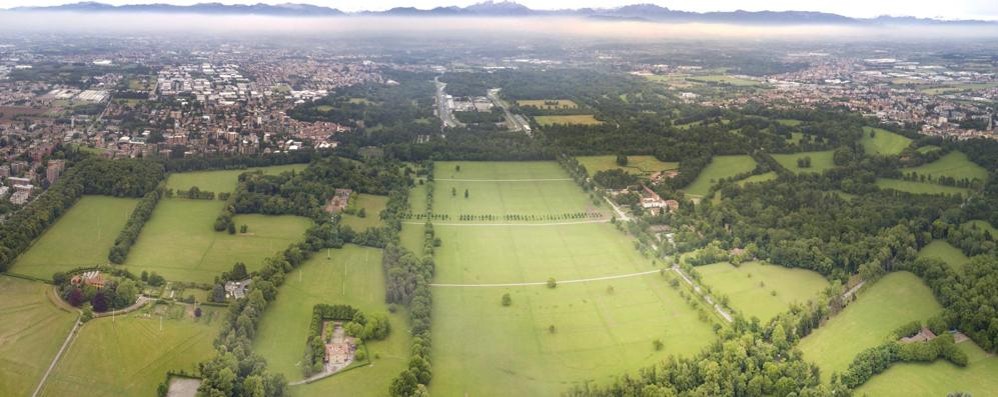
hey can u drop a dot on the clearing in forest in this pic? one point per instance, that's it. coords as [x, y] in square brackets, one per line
[581, 119]
[820, 161]
[942, 250]
[548, 104]
[372, 206]
[221, 181]
[954, 164]
[638, 165]
[762, 290]
[883, 142]
[720, 167]
[938, 378]
[919, 187]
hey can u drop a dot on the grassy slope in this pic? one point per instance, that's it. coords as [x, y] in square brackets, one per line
[940, 249]
[221, 181]
[896, 299]
[372, 205]
[883, 142]
[820, 161]
[938, 378]
[953, 164]
[747, 295]
[919, 188]
[82, 236]
[31, 331]
[719, 167]
[635, 164]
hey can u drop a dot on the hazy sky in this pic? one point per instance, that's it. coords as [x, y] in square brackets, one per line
[950, 9]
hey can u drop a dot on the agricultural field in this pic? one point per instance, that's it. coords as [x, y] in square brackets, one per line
[130, 355]
[720, 167]
[540, 103]
[82, 236]
[180, 243]
[938, 378]
[221, 181]
[351, 275]
[883, 142]
[31, 331]
[527, 188]
[372, 205]
[919, 187]
[638, 165]
[942, 250]
[820, 161]
[761, 290]
[896, 299]
[954, 164]
[580, 119]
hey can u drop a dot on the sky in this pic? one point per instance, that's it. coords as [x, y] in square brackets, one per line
[950, 9]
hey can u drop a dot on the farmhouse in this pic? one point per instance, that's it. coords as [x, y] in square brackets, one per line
[93, 278]
[654, 204]
[237, 289]
[339, 201]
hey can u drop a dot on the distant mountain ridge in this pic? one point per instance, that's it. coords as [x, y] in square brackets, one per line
[634, 12]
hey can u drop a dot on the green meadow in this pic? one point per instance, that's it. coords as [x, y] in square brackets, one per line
[883, 142]
[954, 164]
[720, 167]
[221, 181]
[764, 177]
[919, 187]
[938, 378]
[82, 236]
[638, 165]
[942, 250]
[372, 205]
[579, 119]
[820, 161]
[761, 290]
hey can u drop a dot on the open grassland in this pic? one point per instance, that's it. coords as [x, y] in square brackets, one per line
[919, 188]
[580, 119]
[883, 142]
[725, 80]
[896, 299]
[180, 243]
[638, 165]
[820, 161]
[938, 378]
[221, 181]
[31, 331]
[351, 275]
[942, 250]
[82, 236]
[540, 103]
[720, 167]
[372, 205]
[789, 122]
[523, 188]
[751, 286]
[130, 355]
[954, 164]
[764, 177]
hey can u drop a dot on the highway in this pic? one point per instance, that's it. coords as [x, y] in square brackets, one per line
[443, 110]
[514, 122]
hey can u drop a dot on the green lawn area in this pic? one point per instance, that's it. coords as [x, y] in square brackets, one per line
[896, 299]
[725, 79]
[750, 286]
[179, 242]
[582, 119]
[129, 355]
[764, 177]
[82, 236]
[351, 275]
[789, 122]
[639, 165]
[820, 161]
[31, 331]
[938, 378]
[720, 167]
[372, 205]
[221, 181]
[982, 225]
[919, 188]
[524, 188]
[954, 164]
[940, 249]
[883, 142]
[539, 103]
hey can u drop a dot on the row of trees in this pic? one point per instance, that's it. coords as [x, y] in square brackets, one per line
[877, 359]
[142, 212]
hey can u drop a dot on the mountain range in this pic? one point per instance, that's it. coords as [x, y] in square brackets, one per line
[639, 12]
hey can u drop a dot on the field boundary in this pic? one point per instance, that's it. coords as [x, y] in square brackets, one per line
[504, 180]
[511, 224]
[526, 284]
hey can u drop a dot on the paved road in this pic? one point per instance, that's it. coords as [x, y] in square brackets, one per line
[58, 355]
[443, 110]
[514, 123]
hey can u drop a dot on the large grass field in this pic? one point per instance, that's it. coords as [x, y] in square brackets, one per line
[372, 205]
[581, 119]
[31, 331]
[942, 250]
[820, 161]
[938, 378]
[539, 103]
[638, 165]
[483, 348]
[525, 188]
[883, 142]
[221, 181]
[750, 286]
[725, 79]
[720, 167]
[919, 187]
[82, 236]
[954, 164]
[351, 275]
[179, 242]
[129, 355]
[896, 299]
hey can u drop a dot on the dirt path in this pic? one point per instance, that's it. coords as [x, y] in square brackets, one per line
[706, 297]
[583, 280]
[55, 360]
[852, 291]
[620, 213]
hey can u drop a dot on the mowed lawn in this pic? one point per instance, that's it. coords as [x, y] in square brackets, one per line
[919, 187]
[938, 378]
[883, 142]
[942, 250]
[221, 181]
[130, 355]
[501, 188]
[581, 119]
[82, 236]
[31, 331]
[720, 167]
[180, 243]
[351, 275]
[896, 299]
[820, 161]
[635, 164]
[372, 205]
[954, 164]
[750, 286]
